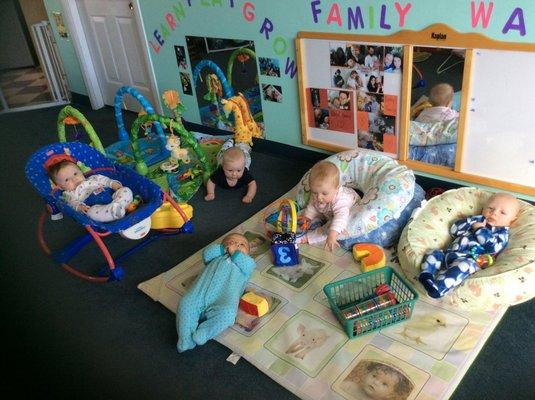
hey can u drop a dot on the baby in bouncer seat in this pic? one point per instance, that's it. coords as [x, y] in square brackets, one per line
[87, 194]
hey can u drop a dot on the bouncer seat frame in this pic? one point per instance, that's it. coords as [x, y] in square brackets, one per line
[136, 222]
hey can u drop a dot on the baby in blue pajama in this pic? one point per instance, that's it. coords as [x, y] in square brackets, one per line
[474, 236]
[215, 295]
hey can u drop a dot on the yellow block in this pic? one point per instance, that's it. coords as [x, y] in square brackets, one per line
[166, 217]
[370, 255]
[254, 304]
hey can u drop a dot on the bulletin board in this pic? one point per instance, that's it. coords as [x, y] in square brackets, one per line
[349, 93]
[495, 143]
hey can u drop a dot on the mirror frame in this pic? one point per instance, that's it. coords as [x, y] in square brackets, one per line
[436, 35]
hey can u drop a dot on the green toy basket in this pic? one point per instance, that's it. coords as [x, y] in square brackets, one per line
[347, 293]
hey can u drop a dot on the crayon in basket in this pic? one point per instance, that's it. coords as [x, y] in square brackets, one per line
[384, 298]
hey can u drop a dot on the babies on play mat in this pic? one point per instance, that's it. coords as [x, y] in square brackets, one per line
[477, 242]
[329, 200]
[87, 194]
[211, 304]
[232, 174]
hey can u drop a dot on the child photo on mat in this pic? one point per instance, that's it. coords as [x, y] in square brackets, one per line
[258, 243]
[375, 380]
[376, 374]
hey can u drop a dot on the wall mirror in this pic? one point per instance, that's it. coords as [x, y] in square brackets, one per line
[490, 143]
[436, 89]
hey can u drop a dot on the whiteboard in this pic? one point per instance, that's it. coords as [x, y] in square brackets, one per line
[499, 141]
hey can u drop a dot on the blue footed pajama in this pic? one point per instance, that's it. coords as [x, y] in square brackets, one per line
[444, 270]
[213, 298]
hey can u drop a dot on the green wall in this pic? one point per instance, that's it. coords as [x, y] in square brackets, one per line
[273, 25]
[66, 51]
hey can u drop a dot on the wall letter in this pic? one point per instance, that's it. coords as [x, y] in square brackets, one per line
[267, 27]
[480, 13]
[334, 15]
[315, 10]
[158, 38]
[179, 11]
[220, 2]
[231, 3]
[402, 12]
[354, 18]
[165, 31]
[170, 21]
[283, 45]
[290, 66]
[154, 47]
[248, 15]
[371, 15]
[382, 22]
[205, 3]
[521, 26]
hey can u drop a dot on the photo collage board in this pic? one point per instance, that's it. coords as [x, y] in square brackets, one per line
[365, 87]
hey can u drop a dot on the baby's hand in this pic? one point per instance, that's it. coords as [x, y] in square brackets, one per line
[231, 248]
[209, 197]
[83, 208]
[116, 186]
[331, 243]
[247, 199]
[478, 225]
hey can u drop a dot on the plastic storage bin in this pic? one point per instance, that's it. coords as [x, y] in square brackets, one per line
[347, 293]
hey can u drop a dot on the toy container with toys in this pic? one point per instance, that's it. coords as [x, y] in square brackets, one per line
[367, 302]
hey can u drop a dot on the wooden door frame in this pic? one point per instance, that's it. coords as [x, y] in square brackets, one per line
[87, 66]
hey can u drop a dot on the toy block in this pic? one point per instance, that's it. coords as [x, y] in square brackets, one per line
[285, 254]
[370, 255]
[254, 304]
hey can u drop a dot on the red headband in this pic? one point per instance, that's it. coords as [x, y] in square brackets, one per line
[56, 159]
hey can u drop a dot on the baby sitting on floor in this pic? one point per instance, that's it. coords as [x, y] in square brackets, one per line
[328, 199]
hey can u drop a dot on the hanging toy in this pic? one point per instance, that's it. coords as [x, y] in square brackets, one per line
[421, 82]
[73, 121]
[243, 58]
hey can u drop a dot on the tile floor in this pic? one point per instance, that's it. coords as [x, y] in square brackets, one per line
[24, 87]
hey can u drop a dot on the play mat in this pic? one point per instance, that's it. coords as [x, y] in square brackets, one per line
[301, 345]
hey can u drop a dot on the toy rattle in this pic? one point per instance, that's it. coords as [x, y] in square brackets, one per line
[483, 260]
[283, 240]
[384, 298]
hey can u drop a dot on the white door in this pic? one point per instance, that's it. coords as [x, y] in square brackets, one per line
[113, 37]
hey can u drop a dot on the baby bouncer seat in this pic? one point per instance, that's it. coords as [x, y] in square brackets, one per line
[134, 225]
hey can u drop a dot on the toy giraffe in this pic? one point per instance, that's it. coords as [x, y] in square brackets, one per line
[248, 119]
[243, 132]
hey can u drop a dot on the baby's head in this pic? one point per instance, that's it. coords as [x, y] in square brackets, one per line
[64, 172]
[236, 241]
[324, 181]
[501, 209]
[441, 95]
[233, 163]
[381, 381]
[344, 98]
